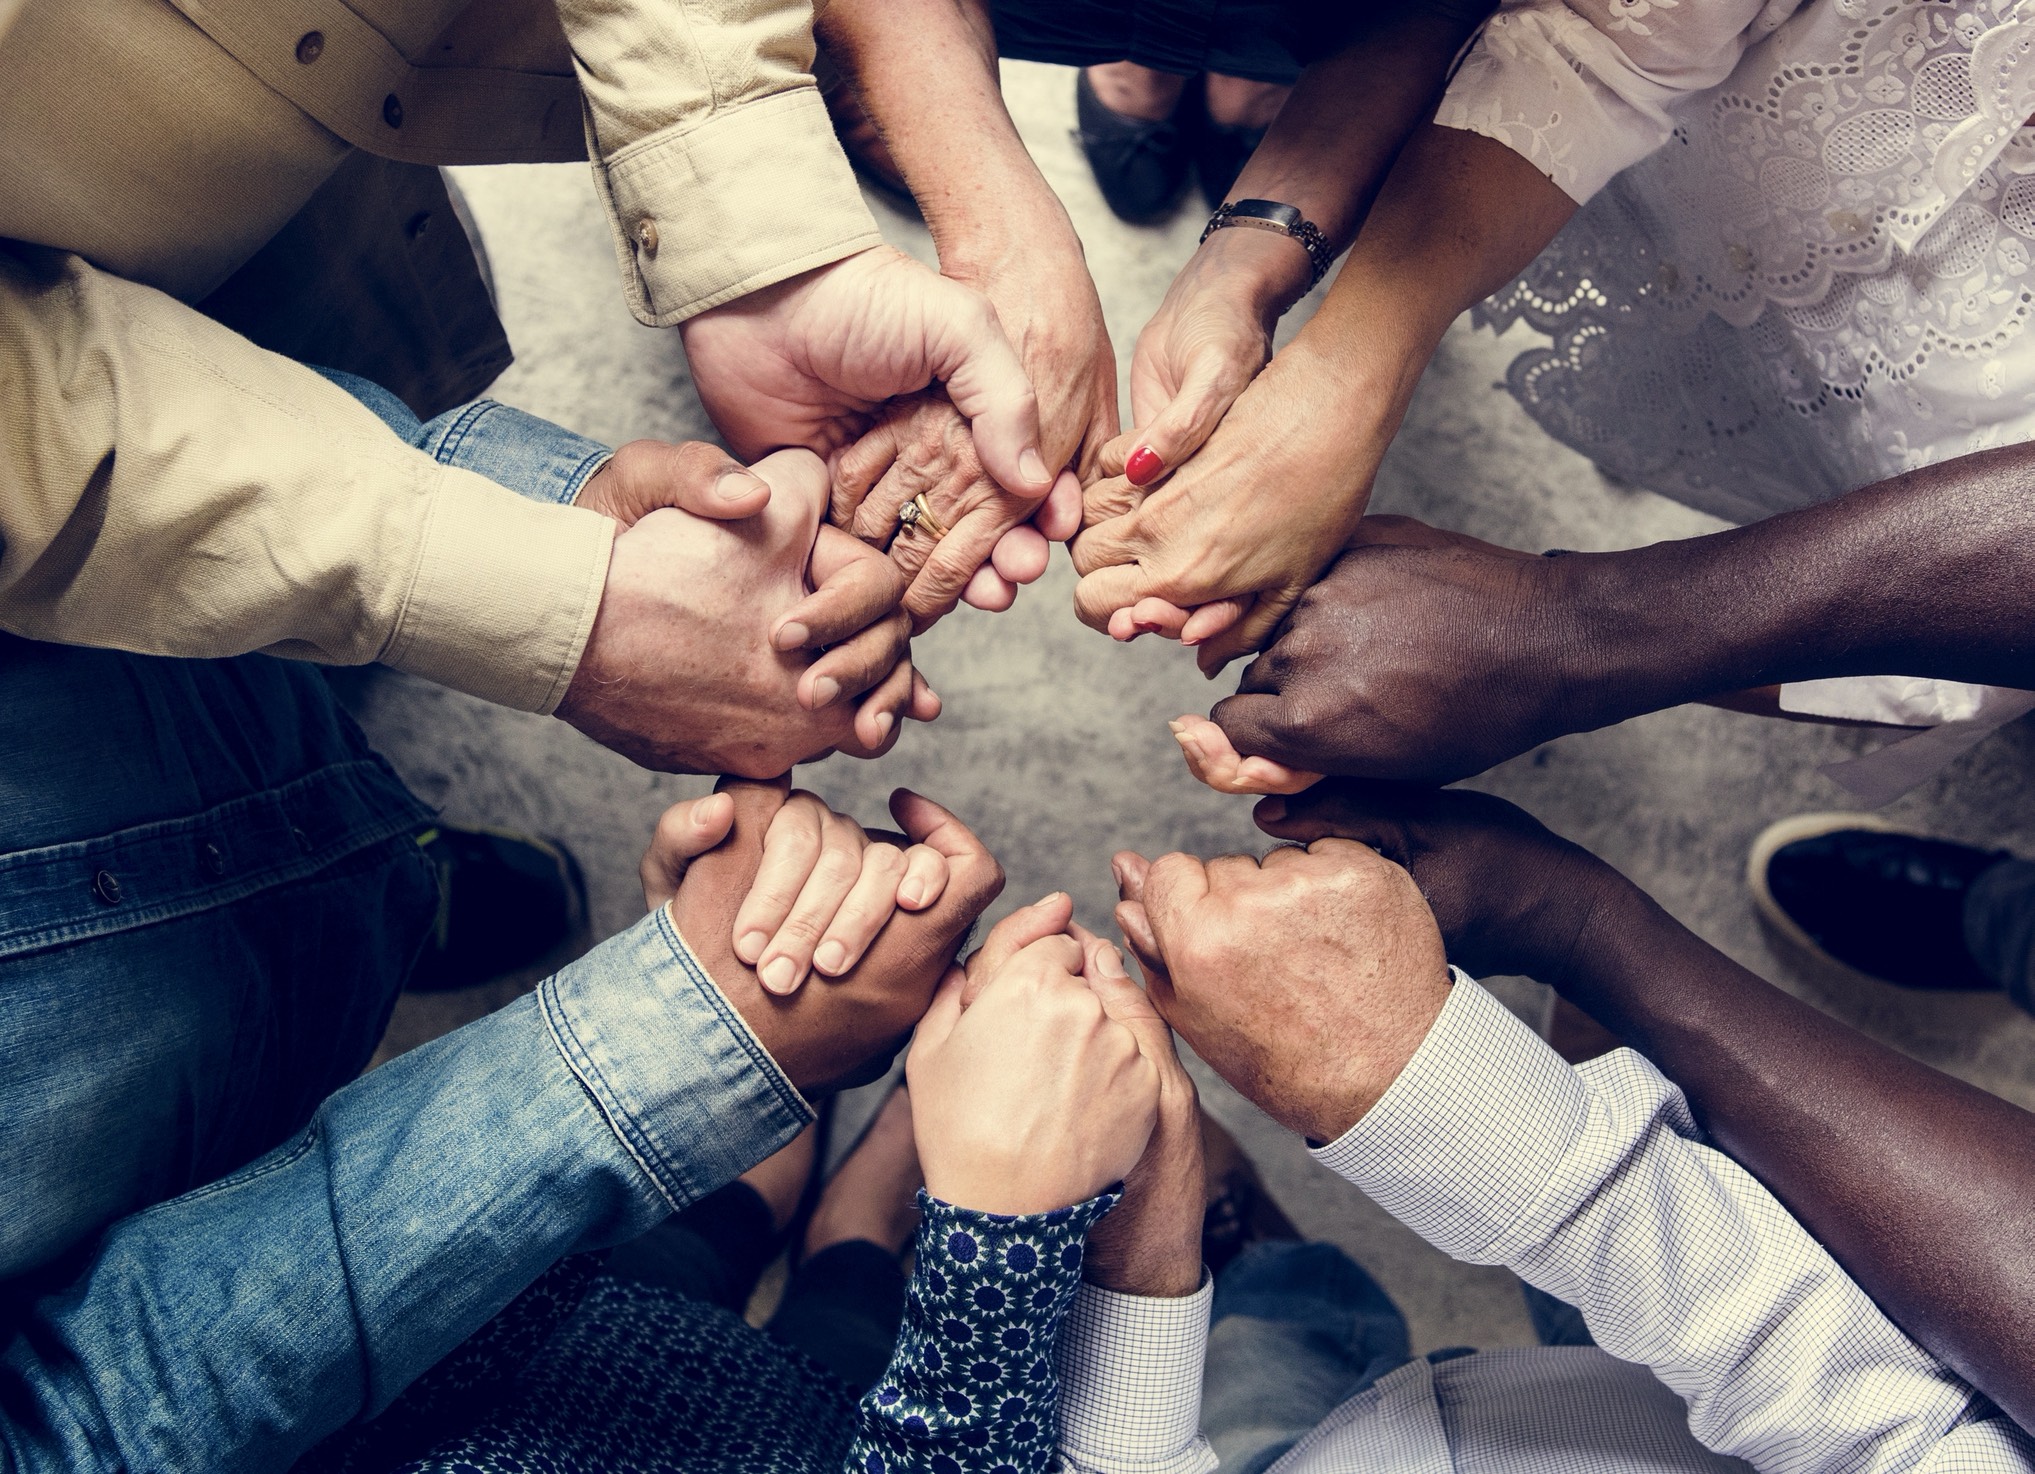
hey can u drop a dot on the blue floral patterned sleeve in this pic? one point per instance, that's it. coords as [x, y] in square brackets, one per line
[971, 1389]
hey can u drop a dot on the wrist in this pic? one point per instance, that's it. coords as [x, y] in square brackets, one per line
[1262, 270]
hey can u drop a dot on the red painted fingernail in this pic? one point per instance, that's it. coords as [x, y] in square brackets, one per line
[1143, 465]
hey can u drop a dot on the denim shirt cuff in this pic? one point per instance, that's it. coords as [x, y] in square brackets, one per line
[533, 457]
[686, 1087]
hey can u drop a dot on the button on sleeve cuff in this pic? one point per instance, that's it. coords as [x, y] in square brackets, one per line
[1469, 1135]
[689, 1090]
[756, 194]
[505, 593]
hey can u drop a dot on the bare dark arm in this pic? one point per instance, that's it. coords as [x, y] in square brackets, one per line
[1921, 1186]
[1473, 654]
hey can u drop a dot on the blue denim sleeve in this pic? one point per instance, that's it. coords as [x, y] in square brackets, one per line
[971, 1388]
[532, 457]
[233, 1328]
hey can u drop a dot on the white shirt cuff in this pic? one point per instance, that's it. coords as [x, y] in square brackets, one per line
[1470, 1133]
[1130, 1382]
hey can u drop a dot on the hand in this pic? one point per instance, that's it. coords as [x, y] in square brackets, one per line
[1423, 656]
[808, 361]
[823, 891]
[745, 647]
[1213, 760]
[1033, 1097]
[995, 539]
[1245, 525]
[1150, 1244]
[1510, 896]
[693, 476]
[843, 1031]
[1307, 981]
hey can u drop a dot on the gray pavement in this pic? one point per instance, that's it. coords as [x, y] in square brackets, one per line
[1055, 747]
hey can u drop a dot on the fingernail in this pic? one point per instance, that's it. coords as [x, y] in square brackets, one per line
[778, 974]
[1109, 963]
[830, 957]
[825, 689]
[883, 724]
[1044, 901]
[1143, 465]
[1176, 726]
[791, 636]
[911, 893]
[1032, 466]
[736, 486]
[749, 946]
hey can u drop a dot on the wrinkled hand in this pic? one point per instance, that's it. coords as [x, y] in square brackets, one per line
[747, 646]
[1032, 1097]
[835, 1032]
[808, 361]
[1150, 1244]
[1422, 655]
[822, 893]
[1045, 300]
[1307, 981]
[1510, 896]
[995, 539]
[1244, 526]
[691, 475]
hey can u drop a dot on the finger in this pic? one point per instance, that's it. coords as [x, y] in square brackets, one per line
[924, 878]
[1216, 763]
[879, 719]
[1247, 634]
[984, 379]
[1371, 813]
[1189, 418]
[1149, 616]
[853, 587]
[925, 703]
[1122, 999]
[1130, 869]
[1045, 917]
[1136, 926]
[789, 958]
[791, 846]
[645, 475]
[974, 879]
[952, 562]
[857, 664]
[1172, 887]
[863, 911]
[858, 469]
[876, 521]
[1021, 554]
[684, 832]
[1208, 620]
[939, 1018]
[1059, 516]
[1109, 461]
[1102, 593]
[1258, 724]
[989, 591]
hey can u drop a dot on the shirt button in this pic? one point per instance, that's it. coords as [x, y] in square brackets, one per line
[303, 840]
[214, 860]
[106, 886]
[646, 235]
[310, 46]
[392, 110]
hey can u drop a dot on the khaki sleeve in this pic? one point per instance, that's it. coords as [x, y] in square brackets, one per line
[712, 152]
[169, 488]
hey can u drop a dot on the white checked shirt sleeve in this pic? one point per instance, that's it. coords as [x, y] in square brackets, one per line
[1583, 88]
[1130, 1383]
[1593, 1185]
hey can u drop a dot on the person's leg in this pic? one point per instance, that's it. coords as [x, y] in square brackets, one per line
[1134, 130]
[209, 896]
[1298, 1329]
[1239, 113]
[845, 1300]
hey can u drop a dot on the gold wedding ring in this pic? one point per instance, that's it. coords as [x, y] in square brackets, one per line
[916, 513]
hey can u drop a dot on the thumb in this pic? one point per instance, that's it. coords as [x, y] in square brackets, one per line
[1181, 428]
[646, 475]
[969, 353]
[940, 1016]
[684, 833]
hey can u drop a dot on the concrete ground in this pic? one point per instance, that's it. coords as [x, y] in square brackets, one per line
[1054, 744]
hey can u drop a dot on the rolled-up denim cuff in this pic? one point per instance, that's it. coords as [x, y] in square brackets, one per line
[686, 1086]
[531, 457]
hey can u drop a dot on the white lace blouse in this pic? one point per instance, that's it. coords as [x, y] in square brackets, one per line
[1802, 261]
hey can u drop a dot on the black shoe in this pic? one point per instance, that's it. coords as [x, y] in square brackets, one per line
[1853, 889]
[505, 901]
[1140, 165]
[1220, 152]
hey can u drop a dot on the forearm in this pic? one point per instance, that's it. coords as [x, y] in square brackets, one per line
[926, 73]
[309, 1289]
[1916, 1182]
[1925, 574]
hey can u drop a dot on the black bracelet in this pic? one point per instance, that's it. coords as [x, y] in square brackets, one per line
[1281, 219]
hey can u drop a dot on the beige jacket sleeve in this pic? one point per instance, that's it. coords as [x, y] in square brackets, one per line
[167, 487]
[712, 151]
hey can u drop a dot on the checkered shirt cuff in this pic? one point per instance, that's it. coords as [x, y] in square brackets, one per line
[1467, 1138]
[1130, 1382]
